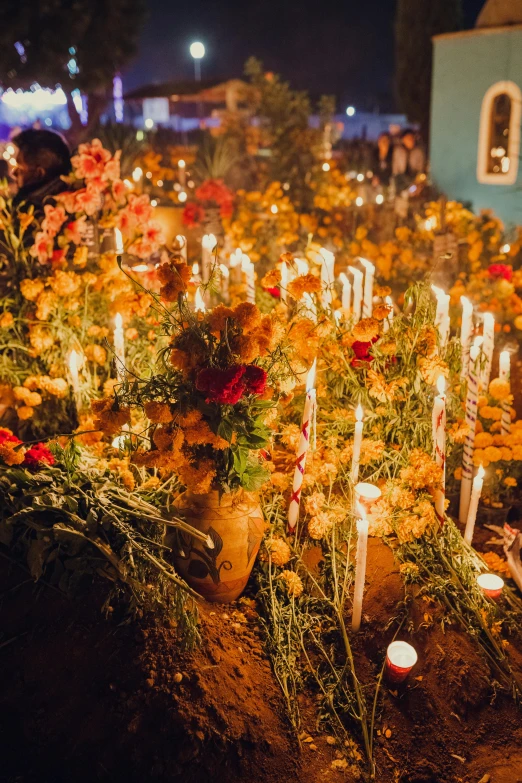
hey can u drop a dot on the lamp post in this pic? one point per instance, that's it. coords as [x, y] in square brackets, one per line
[197, 52]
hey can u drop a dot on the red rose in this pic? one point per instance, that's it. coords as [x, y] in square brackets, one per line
[215, 190]
[193, 214]
[500, 271]
[255, 378]
[223, 386]
[36, 454]
[275, 292]
[361, 351]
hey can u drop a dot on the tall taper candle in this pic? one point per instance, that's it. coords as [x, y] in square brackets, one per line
[302, 449]
[504, 373]
[368, 287]
[466, 330]
[439, 444]
[469, 443]
[488, 347]
[250, 277]
[357, 292]
[346, 294]
[208, 243]
[327, 275]
[357, 441]
[360, 569]
[476, 492]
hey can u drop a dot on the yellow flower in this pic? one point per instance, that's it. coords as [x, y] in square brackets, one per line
[493, 454]
[56, 387]
[319, 525]
[499, 389]
[25, 412]
[80, 255]
[315, 503]
[158, 412]
[294, 585]
[431, 368]
[40, 338]
[31, 289]
[366, 330]
[96, 353]
[304, 284]
[10, 454]
[509, 481]
[6, 320]
[483, 439]
[488, 412]
[279, 550]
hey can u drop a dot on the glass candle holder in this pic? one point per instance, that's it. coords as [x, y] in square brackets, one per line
[366, 495]
[401, 657]
[491, 585]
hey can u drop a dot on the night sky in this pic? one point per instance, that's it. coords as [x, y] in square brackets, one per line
[347, 51]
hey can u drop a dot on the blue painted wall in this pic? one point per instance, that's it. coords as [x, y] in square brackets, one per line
[464, 67]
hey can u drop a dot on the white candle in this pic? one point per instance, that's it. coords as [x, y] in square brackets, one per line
[389, 318]
[504, 366]
[208, 243]
[118, 239]
[465, 333]
[357, 292]
[366, 495]
[357, 440]
[476, 492]
[235, 266]
[119, 348]
[442, 317]
[347, 293]
[225, 275]
[310, 308]
[199, 304]
[182, 173]
[73, 371]
[368, 287]
[183, 248]
[327, 275]
[248, 270]
[488, 347]
[401, 657]
[504, 373]
[491, 585]
[360, 569]
[301, 266]
[469, 443]
[302, 449]
[439, 443]
[284, 282]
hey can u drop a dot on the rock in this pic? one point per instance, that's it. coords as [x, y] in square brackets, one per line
[331, 741]
[313, 747]
[340, 764]
[178, 677]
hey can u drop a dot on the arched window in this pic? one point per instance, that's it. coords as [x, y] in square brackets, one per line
[499, 135]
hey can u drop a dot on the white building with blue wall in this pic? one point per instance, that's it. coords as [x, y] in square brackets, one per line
[475, 142]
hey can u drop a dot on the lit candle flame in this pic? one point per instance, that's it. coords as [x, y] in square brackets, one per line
[195, 268]
[224, 270]
[246, 263]
[359, 413]
[181, 164]
[481, 472]
[467, 307]
[181, 240]
[209, 242]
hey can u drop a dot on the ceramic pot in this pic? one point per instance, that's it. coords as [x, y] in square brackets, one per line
[235, 526]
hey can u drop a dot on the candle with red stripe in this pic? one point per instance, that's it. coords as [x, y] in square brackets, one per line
[471, 421]
[304, 445]
[439, 444]
[504, 373]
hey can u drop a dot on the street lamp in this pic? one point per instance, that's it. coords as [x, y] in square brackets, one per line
[197, 51]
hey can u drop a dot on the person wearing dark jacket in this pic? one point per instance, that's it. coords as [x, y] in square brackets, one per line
[42, 158]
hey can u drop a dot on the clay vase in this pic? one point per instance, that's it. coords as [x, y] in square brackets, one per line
[235, 526]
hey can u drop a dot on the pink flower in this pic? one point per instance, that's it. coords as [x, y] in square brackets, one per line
[153, 233]
[119, 191]
[42, 248]
[68, 199]
[91, 160]
[53, 220]
[58, 256]
[142, 248]
[140, 206]
[74, 230]
[112, 168]
[127, 222]
[88, 200]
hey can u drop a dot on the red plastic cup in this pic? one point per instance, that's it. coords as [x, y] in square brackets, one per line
[491, 585]
[401, 657]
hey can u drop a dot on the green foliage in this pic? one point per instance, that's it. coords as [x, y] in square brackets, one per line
[416, 23]
[73, 523]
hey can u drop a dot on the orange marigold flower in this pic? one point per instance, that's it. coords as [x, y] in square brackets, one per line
[158, 412]
[293, 583]
[280, 552]
[11, 456]
[366, 330]
[500, 389]
[304, 284]
[108, 418]
[271, 279]
[248, 316]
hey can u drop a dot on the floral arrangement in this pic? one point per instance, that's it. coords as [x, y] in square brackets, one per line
[61, 290]
[211, 407]
[211, 195]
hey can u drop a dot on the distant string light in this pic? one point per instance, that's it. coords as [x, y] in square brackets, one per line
[182, 196]
[326, 167]
[379, 198]
[350, 111]
[359, 201]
